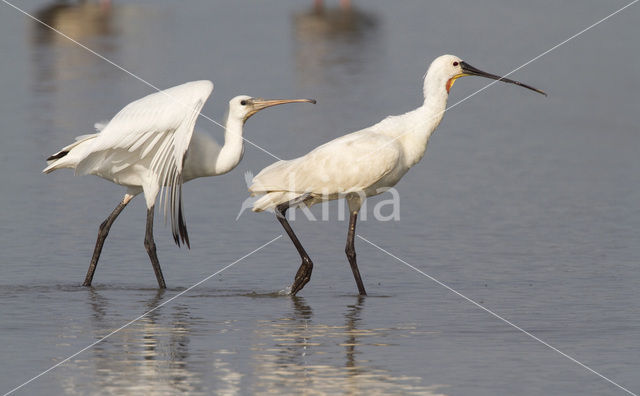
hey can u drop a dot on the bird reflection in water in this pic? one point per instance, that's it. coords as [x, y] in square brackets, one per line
[64, 74]
[296, 352]
[58, 59]
[334, 41]
[150, 355]
[352, 317]
[79, 21]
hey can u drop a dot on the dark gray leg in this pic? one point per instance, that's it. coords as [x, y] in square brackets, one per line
[351, 252]
[304, 272]
[103, 231]
[150, 245]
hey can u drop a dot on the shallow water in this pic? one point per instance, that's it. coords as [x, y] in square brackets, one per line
[527, 205]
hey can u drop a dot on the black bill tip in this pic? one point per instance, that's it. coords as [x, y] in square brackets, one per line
[472, 71]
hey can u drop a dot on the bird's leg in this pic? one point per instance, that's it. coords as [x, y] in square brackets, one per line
[350, 250]
[150, 245]
[304, 272]
[103, 231]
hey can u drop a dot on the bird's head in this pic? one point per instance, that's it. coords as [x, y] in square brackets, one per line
[446, 69]
[242, 107]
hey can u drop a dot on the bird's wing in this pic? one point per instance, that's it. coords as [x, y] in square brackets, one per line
[350, 163]
[152, 134]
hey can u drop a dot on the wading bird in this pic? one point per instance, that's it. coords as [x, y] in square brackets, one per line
[150, 145]
[362, 163]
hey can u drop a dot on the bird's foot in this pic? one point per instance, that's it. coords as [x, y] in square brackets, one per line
[302, 276]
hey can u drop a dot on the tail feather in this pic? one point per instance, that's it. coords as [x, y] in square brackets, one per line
[272, 199]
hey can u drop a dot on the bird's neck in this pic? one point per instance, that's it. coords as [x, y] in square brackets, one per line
[419, 124]
[233, 149]
[435, 103]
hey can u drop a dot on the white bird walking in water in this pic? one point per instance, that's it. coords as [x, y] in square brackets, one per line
[149, 145]
[362, 163]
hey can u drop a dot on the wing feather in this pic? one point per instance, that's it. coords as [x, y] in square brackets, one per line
[154, 133]
[343, 165]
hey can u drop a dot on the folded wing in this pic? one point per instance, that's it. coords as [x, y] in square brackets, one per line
[350, 163]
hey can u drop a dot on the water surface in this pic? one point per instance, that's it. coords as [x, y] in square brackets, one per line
[528, 205]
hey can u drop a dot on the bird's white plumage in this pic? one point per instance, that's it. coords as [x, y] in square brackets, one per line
[143, 146]
[340, 166]
[156, 129]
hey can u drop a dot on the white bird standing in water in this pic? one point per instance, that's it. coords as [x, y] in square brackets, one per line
[362, 163]
[149, 145]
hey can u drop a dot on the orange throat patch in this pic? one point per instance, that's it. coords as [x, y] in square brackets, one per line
[450, 83]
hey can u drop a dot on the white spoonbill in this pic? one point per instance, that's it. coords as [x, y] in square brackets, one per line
[362, 163]
[149, 145]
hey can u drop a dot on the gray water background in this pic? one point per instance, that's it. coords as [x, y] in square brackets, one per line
[528, 205]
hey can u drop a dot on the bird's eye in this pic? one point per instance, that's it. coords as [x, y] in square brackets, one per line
[455, 63]
[243, 102]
